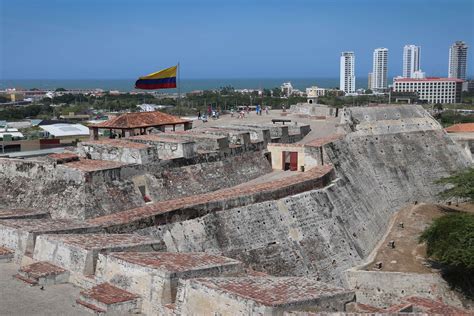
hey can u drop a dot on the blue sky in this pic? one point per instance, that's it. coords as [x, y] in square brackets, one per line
[72, 39]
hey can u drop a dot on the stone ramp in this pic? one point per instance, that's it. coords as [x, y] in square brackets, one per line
[106, 298]
[197, 205]
[42, 273]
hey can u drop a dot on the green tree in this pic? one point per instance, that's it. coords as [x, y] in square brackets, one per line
[276, 92]
[450, 240]
[60, 89]
[461, 185]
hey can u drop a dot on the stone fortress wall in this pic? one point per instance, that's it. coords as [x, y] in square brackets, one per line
[326, 231]
[303, 229]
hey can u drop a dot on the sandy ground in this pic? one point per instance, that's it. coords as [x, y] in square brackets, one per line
[409, 255]
[18, 298]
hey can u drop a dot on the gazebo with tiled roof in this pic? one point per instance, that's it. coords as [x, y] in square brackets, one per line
[139, 123]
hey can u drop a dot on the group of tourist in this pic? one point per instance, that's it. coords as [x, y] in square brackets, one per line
[242, 113]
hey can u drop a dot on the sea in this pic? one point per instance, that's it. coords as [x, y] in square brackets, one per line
[187, 85]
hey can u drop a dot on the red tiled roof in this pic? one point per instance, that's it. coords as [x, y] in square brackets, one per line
[88, 165]
[141, 119]
[271, 291]
[174, 262]
[324, 140]
[428, 79]
[435, 307]
[461, 128]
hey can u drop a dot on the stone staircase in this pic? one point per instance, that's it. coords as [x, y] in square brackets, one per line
[42, 273]
[106, 298]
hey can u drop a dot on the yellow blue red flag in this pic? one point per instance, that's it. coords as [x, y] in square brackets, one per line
[163, 79]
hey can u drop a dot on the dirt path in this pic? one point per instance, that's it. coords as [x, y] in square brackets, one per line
[409, 255]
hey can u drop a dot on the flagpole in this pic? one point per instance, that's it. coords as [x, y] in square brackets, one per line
[179, 85]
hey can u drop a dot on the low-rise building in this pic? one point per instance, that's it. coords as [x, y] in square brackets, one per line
[312, 93]
[431, 89]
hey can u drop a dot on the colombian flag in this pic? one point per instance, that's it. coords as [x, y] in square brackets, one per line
[163, 79]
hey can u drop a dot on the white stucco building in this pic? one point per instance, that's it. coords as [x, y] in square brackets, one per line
[411, 60]
[431, 90]
[379, 71]
[458, 60]
[347, 73]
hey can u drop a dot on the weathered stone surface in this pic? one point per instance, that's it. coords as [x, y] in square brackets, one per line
[80, 189]
[258, 296]
[78, 253]
[382, 288]
[21, 235]
[154, 275]
[118, 150]
[167, 147]
[193, 206]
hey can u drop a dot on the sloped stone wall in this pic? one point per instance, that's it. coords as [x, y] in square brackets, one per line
[324, 232]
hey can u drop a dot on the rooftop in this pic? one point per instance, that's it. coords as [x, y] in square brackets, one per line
[88, 165]
[101, 241]
[427, 79]
[141, 119]
[324, 140]
[461, 128]
[59, 130]
[273, 291]
[43, 225]
[174, 262]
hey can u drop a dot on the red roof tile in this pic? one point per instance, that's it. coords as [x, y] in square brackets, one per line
[434, 307]
[174, 262]
[461, 128]
[273, 291]
[141, 119]
[324, 140]
[88, 165]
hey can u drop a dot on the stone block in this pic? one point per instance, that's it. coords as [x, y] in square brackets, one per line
[154, 275]
[259, 296]
[21, 235]
[168, 147]
[79, 253]
[118, 150]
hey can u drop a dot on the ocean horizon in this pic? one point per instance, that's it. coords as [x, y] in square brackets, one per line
[187, 85]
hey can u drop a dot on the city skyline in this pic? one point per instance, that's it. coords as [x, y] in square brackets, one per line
[81, 40]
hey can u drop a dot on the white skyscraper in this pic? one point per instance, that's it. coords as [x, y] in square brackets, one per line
[458, 60]
[411, 60]
[379, 72]
[347, 75]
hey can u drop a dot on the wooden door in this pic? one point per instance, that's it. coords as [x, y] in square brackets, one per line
[293, 161]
